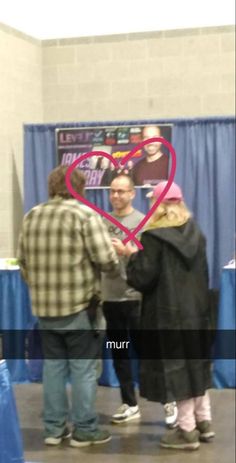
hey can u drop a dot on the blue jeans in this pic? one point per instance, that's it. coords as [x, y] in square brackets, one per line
[65, 354]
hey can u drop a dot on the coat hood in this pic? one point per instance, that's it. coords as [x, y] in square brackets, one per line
[185, 239]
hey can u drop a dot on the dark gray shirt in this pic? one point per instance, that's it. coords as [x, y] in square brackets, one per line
[116, 289]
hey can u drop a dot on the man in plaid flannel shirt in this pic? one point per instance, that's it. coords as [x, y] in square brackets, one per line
[63, 248]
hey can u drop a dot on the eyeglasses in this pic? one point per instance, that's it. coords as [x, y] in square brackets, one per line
[119, 192]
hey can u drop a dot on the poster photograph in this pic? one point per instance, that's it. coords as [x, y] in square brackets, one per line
[148, 165]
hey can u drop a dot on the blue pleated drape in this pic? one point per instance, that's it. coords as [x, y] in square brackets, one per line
[206, 171]
[11, 445]
[205, 150]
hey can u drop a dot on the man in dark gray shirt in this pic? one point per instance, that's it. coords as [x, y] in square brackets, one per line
[121, 305]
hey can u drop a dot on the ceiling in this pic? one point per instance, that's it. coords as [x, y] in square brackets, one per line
[50, 19]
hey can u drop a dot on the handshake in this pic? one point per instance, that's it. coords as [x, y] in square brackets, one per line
[123, 249]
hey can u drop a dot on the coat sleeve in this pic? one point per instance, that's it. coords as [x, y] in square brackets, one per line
[145, 265]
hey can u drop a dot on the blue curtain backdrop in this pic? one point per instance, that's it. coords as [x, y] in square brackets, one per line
[205, 150]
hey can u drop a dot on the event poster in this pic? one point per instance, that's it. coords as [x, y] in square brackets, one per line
[148, 165]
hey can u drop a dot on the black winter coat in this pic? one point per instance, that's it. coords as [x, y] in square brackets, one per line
[171, 273]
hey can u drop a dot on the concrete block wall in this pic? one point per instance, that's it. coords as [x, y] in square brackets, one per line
[21, 102]
[182, 73]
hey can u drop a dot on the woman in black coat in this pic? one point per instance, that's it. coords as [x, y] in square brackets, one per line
[171, 273]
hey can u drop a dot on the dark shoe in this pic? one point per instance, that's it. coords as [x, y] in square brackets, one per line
[206, 431]
[171, 415]
[126, 413]
[51, 440]
[180, 440]
[83, 439]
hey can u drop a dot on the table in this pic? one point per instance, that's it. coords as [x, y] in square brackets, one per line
[15, 314]
[224, 374]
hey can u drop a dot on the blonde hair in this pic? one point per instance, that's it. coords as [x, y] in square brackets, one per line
[169, 214]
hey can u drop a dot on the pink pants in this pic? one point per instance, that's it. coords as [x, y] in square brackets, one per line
[193, 410]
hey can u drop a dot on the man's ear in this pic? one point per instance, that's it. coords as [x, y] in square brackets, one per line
[133, 193]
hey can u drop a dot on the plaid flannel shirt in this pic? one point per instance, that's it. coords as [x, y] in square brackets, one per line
[63, 247]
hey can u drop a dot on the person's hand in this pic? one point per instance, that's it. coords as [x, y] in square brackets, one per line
[130, 248]
[123, 250]
[119, 246]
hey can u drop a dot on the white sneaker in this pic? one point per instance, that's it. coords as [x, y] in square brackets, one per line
[171, 414]
[50, 440]
[126, 413]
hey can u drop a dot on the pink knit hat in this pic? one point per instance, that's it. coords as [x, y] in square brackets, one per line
[173, 194]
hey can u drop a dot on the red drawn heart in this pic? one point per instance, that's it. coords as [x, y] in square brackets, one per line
[130, 235]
